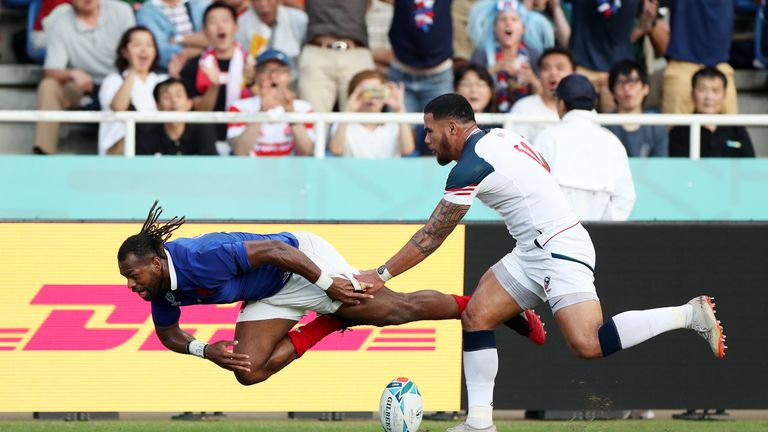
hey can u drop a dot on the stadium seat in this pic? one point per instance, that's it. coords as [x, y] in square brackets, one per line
[36, 54]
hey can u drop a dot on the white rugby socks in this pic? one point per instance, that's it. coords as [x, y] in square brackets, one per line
[635, 327]
[481, 363]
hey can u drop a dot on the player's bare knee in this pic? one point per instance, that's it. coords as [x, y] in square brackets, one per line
[472, 320]
[586, 349]
[252, 377]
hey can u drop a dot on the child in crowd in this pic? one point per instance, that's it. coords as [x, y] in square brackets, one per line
[369, 91]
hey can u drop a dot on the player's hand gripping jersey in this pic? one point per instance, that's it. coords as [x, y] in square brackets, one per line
[213, 269]
[505, 172]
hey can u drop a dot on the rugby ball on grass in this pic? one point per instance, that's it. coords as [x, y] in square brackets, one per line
[401, 407]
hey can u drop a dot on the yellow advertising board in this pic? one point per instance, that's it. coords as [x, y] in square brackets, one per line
[73, 337]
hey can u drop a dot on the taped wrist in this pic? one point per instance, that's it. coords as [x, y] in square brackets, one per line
[197, 348]
[324, 281]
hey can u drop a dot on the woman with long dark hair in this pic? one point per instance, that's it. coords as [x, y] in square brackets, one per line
[129, 89]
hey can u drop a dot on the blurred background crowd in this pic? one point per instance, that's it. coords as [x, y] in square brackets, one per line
[504, 56]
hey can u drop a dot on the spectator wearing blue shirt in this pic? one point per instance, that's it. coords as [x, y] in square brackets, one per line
[177, 26]
[601, 33]
[628, 81]
[700, 36]
[422, 41]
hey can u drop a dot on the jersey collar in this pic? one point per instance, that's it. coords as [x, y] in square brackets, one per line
[171, 271]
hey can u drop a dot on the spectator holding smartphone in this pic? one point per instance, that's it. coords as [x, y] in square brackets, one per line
[369, 91]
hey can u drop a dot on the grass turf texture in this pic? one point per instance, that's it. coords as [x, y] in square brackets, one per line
[365, 426]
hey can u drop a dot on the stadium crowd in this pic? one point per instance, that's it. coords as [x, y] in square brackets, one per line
[504, 56]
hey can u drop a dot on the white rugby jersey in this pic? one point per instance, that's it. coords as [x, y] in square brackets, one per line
[504, 171]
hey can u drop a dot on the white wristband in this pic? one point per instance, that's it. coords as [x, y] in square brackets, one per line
[383, 273]
[197, 348]
[179, 38]
[324, 281]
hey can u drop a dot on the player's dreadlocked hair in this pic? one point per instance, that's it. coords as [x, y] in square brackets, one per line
[152, 237]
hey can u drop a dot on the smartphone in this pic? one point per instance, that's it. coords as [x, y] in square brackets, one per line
[372, 93]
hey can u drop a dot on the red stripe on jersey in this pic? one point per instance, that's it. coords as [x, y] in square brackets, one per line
[470, 187]
[533, 154]
[461, 193]
[558, 233]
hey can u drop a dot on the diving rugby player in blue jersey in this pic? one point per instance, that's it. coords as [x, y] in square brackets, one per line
[280, 277]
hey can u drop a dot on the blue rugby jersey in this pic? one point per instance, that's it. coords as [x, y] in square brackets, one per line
[213, 269]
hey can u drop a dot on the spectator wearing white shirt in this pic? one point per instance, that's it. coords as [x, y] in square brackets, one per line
[131, 88]
[369, 91]
[587, 160]
[554, 64]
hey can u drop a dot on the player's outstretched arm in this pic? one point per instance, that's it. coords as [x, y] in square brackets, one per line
[177, 340]
[281, 255]
[441, 223]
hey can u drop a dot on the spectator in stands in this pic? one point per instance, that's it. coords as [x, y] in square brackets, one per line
[475, 83]
[129, 89]
[174, 138]
[369, 91]
[222, 74]
[177, 26]
[538, 35]
[378, 19]
[628, 81]
[80, 53]
[539, 31]
[422, 39]
[700, 36]
[273, 77]
[462, 43]
[336, 49]
[497, 30]
[588, 161]
[709, 94]
[554, 64]
[559, 15]
[269, 25]
[603, 32]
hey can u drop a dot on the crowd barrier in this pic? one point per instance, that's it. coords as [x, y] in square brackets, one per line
[321, 121]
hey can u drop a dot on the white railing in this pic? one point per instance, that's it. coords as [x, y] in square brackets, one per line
[322, 120]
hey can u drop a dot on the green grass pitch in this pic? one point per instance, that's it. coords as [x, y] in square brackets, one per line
[372, 426]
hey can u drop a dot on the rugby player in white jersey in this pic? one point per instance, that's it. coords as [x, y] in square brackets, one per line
[552, 262]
